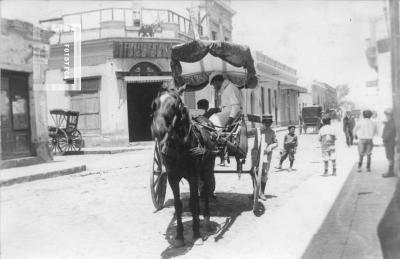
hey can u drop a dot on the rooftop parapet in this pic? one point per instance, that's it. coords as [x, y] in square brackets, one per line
[124, 22]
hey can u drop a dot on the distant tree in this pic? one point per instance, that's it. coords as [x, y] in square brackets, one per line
[342, 92]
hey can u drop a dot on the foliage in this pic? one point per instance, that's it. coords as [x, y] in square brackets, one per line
[343, 102]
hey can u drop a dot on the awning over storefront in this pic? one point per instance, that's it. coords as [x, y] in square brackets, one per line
[146, 79]
[292, 87]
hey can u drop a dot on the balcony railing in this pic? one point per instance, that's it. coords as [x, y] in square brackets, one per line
[127, 19]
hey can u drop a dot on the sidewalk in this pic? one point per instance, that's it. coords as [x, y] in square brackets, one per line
[133, 146]
[350, 228]
[40, 171]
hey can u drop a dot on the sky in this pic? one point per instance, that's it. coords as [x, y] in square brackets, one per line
[322, 40]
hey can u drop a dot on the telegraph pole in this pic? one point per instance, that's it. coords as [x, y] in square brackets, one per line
[395, 73]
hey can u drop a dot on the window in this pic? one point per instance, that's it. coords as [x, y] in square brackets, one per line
[144, 69]
[252, 103]
[269, 101]
[86, 102]
[214, 35]
[263, 100]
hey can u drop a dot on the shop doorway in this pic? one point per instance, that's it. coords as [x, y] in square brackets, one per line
[15, 123]
[140, 96]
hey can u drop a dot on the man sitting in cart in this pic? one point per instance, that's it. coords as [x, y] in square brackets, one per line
[230, 100]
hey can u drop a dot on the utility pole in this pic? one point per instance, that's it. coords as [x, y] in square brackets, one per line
[395, 73]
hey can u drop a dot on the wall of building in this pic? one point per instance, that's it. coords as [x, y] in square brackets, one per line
[378, 51]
[21, 44]
[305, 99]
[98, 61]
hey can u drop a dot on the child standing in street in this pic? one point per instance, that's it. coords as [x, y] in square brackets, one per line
[365, 131]
[271, 144]
[327, 137]
[289, 147]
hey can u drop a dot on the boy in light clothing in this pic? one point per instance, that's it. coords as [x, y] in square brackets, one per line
[327, 137]
[365, 131]
[270, 144]
[290, 143]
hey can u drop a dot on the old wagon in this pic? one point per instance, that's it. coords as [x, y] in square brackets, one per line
[64, 136]
[191, 65]
[312, 116]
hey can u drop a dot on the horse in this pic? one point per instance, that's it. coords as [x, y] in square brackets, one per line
[185, 156]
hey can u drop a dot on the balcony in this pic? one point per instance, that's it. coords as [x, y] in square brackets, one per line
[123, 22]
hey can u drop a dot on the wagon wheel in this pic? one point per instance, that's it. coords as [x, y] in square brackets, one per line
[53, 142]
[57, 139]
[158, 178]
[256, 153]
[73, 141]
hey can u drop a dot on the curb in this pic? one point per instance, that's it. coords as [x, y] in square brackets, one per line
[41, 176]
[98, 152]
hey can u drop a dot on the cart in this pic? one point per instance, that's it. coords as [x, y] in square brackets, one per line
[64, 136]
[311, 117]
[191, 65]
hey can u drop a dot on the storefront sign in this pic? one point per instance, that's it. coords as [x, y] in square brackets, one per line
[142, 49]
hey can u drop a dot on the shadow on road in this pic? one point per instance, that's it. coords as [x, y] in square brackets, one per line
[227, 205]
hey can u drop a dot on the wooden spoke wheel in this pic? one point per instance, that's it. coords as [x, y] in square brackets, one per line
[57, 138]
[71, 141]
[158, 178]
[53, 142]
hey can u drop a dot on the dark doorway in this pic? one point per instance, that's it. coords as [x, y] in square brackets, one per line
[15, 123]
[140, 97]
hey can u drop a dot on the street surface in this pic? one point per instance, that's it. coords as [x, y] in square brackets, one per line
[107, 212]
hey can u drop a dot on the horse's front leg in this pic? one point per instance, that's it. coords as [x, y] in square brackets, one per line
[209, 181]
[194, 205]
[174, 184]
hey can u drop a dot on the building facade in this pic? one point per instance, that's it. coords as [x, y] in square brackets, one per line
[23, 58]
[125, 60]
[305, 100]
[378, 58]
[279, 90]
[324, 95]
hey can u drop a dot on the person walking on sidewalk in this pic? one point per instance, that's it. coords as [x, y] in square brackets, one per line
[365, 130]
[290, 143]
[327, 137]
[388, 137]
[270, 144]
[348, 127]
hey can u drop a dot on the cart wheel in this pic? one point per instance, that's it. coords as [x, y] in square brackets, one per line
[53, 143]
[59, 140]
[74, 140]
[158, 178]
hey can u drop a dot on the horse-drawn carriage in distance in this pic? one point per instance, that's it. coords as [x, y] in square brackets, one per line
[64, 136]
[312, 116]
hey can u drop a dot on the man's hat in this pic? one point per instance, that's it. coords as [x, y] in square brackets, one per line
[214, 74]
[267, 118]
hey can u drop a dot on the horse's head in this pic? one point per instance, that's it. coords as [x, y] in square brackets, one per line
[169, 114]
